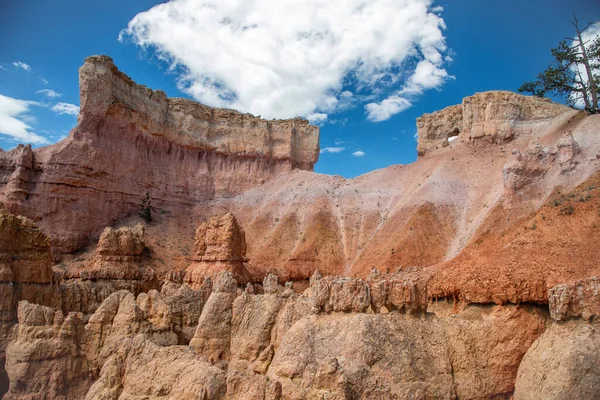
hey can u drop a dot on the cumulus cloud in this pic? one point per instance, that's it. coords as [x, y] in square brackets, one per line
[49, 93]
[13, 120]
[427, 75]
[358, 153]
[297, 57]
[22, 65]
[333, 150]
[65, 108]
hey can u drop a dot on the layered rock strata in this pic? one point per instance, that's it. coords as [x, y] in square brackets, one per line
[131, 140]
[220, 245]
[496, 117]
[279, 344]
[25, 274]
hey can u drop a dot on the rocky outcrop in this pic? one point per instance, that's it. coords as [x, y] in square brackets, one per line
[24, 251]
[277, 344]
[181, 122]
[25, 274]
[131, 140]
[439, 129]
[119, 255]
[45, 359]
[141, 369]
[564, 362]
[212, 337]
[16, 170]
[579, 299]
[531, 166]
[220, 245]
[526, 168]
[495, 117]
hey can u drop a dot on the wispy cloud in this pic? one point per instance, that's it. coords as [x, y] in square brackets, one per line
[333, 150]
[317, 118]
[358, 153]
[44, 81]
[382, 111]
[298, 58]
[13, 120]
[65, 108]
[22, 65]
[427, 75]
[49, 93]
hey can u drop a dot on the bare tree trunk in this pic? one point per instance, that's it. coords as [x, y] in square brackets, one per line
[586, 63]
[584, 91]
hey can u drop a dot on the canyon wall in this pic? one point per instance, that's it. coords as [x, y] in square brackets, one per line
[258, 279]
[131, 140]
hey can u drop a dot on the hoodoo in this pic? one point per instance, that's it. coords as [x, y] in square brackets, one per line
[471, 273]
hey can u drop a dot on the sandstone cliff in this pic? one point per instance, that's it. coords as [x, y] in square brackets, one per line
[258, 279]
[131, 140]
[496, 117]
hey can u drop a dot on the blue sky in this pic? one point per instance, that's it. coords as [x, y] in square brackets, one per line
[485, 46]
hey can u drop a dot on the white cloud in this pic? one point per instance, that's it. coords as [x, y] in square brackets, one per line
[333, 150]
[22, 65]
[383, 110]
[358, 153]
[427, 75]
[49, 93]
[317, 118]
[13, 120]
[2, 68]
[44, 81]
[295, 57]
[65, 108]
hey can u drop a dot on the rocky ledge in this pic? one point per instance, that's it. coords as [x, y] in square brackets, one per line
[496, 117]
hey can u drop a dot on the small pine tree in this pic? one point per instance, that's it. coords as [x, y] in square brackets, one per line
[575, 72]
[145, 208]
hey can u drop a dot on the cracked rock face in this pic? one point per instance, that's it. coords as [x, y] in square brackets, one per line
[564, 362]
[447, 278]
[220, 245]
[130, 138]
[267, 346]
[495, 117]
[579, 299]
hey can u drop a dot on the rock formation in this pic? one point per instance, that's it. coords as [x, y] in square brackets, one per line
[495, 117]
[131, 139]
[562, 363]
[119, 255]
[471, 273]
[45, 359]
[220, 245]
[25, 273]
[273, 345]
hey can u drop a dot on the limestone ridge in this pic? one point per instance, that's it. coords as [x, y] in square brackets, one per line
[495, 116]
[106, 92]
